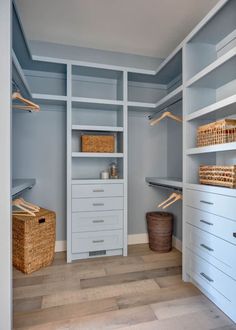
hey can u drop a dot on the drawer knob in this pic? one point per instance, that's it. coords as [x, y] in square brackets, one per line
[206, 202]
[206, 222]
[98, 221]
[98, 204]
[207, 247]
[234, 235]
[99, 241]
[98, 190]
[207, 277]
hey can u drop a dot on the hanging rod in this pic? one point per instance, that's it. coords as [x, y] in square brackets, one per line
[155, 185]
[150, 117]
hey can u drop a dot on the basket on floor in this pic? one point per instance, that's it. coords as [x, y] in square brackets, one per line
[33, 240]
[160, 228]
[224, 176]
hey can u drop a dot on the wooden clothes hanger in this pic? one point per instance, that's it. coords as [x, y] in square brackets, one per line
[26, 208]
[177, 198]
[164, 115]
[29, 105]
[174, 197]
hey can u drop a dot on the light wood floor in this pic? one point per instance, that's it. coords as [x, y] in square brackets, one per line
[141, 291]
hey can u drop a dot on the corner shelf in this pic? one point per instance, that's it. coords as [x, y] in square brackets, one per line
[168, 182]
[212, 148]
[96, 155]
[97, 128]
[225, 107]
[19, 185]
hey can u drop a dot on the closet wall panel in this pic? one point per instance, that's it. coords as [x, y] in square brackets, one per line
[39, 149]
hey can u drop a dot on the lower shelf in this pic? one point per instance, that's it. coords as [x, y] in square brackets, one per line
[19, 185]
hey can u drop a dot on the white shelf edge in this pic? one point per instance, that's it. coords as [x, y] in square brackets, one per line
[213, 66]
[97, 128]
[162, 102]
[211, 108]
[211, 189]
[167, 182]
[96, 181]
[19, 185]
[49, 97]
[213, 148]
[96, 155]
[96, 101]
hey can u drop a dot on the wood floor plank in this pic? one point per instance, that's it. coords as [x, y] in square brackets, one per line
[27, 305]
[164, 294]
[66, 312]
[68, 297]
[109, 320]
[169, 280]
[131, 277]
[155, 257]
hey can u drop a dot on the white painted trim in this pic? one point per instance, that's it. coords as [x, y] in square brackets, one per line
[132, 240]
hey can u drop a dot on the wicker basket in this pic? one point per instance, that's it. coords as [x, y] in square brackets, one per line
[222, 131]
[98, 143]
[160, 227]
[224, 176]
[33, 240]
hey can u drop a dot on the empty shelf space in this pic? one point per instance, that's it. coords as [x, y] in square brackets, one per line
[213, 148]
[97, 128]
[220, 109]
[217, 73]
[96, 155]
[211, 189]
[96, 181]
[166, 182]
[19, 185]
[91, 102]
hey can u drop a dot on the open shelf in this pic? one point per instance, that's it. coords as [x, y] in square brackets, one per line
[47, 99]
[217, 73]
[165, 182]
[97, 128]
[96, 181]
[220, 109]
[142, 106]
[95, 102]
[19, 185]
[96, 155]
[211, 189]
[213, 148]
[19, 77]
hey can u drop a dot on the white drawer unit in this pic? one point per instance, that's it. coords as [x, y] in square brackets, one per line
[97, 204]
[97, 190]
[224, 206]
[97, 241]
[220, 287]
[218, 226]
[97, 221]
[213, 249]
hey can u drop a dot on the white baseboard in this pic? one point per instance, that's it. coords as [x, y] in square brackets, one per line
[132, 239]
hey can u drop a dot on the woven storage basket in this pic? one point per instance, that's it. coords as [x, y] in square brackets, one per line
[98, 143]
[222, 131]
[33, 240]
[160, 228]
[224, 176]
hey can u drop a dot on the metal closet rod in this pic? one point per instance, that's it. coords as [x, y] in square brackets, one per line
[150, 117]
[155, 185]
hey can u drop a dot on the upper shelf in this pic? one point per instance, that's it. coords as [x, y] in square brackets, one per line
[97, 155]
[19, 185]
[19, 78]
[212, 148]
[97, 128]
[165, 182]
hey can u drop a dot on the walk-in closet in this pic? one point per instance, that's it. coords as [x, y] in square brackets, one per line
[118, 172]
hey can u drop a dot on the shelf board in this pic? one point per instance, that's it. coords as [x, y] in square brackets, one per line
[96, 181]
[97, 155]
[211, 189]
[19, 185]
[93, 103]
[223, 108]
[48, 99]
[225, 61]
[19, 77]
[165, 182]
[163, 103]
[213, 148]
[97, 128]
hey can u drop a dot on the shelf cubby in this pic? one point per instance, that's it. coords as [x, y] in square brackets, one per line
[212, 41]
[97, 83]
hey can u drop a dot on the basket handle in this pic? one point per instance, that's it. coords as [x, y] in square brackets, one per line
[42, 220]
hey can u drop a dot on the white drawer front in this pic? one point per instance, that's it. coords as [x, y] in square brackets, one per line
[220, 286]
[221, 227]
[224, 206]
[95, 221]
[97, 204]
[97, 190]
[213, 249]
[97, 241]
